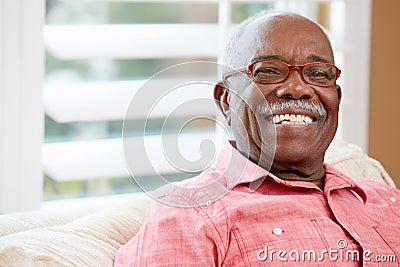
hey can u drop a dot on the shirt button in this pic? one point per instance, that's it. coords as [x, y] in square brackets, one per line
[200, 193]
[393, 199]
[277, 231]
[208, 203]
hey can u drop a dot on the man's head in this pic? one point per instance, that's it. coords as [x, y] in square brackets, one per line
[309, 93]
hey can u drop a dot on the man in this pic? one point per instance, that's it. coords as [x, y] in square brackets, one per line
[285, 206]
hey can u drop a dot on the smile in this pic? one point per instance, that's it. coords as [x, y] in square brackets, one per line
[292, 119]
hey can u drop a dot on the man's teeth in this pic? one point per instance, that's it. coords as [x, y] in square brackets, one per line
[292, 119]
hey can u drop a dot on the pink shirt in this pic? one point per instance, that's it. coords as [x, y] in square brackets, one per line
[353, 222]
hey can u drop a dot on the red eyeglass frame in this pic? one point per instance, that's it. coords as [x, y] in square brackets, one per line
[249, 71]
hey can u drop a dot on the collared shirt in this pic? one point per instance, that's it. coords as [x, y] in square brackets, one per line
[265, 221]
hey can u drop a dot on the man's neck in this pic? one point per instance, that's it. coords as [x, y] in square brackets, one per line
[311, 170]
[312, 174]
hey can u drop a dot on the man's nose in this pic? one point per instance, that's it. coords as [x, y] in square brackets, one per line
[295, 88]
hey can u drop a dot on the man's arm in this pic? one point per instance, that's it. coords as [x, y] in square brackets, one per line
[172, 236]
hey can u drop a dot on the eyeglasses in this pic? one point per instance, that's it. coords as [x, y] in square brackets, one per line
[276, 71]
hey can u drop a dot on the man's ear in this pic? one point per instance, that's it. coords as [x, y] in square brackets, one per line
[221, 93]
[339, 91]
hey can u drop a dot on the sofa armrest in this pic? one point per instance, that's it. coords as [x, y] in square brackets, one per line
[88, 241]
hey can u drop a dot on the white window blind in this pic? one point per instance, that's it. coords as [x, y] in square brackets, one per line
[78, 101]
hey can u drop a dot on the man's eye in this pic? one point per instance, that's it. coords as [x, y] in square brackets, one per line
[318, 73]
[267, 71]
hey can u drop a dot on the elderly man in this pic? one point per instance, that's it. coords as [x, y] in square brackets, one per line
[283, 110]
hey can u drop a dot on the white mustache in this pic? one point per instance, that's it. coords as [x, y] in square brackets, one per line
[268, 109]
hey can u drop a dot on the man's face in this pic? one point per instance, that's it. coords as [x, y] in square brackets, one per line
[296, 41]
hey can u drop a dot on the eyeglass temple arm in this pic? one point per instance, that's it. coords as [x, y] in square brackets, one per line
[229, 74]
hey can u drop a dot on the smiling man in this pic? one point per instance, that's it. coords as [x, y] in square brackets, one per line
[281, 99]
[290, 59]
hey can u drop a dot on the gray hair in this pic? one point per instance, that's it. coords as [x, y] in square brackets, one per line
[231, 54]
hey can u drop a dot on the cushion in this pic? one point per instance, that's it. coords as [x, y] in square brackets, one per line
[89, 241]
[21, 221]
[352, 161]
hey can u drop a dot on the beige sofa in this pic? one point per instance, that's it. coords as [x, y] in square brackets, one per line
[91, 235]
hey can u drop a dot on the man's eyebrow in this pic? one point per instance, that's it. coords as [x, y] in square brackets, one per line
[316, 58]
[271, 57]
[313, 58]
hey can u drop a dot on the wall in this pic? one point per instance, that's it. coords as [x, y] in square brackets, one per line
[384, 124]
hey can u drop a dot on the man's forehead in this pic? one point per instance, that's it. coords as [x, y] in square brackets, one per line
[272, 32]
[278, 21]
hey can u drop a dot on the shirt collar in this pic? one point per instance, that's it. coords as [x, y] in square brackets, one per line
[334, 179]
[237, 169]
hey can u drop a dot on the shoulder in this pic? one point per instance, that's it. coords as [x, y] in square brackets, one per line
[377, 188]
[189, 212]
[364, 182]
[185, 231]
[375, 192]
[379, 194]
[194, 201]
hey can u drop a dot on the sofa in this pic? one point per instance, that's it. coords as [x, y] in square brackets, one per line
[90, 235]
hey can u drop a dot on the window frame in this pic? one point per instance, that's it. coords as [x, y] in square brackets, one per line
[21, 115]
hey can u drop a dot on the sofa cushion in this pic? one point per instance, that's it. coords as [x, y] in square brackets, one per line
[89, 241]
[354, 162]
[21, 221]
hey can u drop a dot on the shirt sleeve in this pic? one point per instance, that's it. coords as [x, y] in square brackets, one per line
[171, 236]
